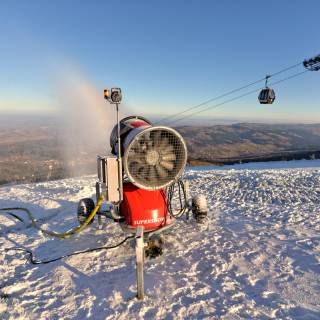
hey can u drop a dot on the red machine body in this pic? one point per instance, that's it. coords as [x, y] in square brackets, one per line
[144, 208]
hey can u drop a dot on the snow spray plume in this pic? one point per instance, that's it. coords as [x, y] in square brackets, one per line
[87, 121]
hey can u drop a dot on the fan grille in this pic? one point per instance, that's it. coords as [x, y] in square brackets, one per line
[155, 158]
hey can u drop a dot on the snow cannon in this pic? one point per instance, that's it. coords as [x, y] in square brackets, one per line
[139, 180]
[152, 158]
[139, 176]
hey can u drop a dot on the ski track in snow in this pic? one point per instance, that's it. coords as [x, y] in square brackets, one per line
[257, 256]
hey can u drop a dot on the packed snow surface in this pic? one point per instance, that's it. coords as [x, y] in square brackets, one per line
[257, 256]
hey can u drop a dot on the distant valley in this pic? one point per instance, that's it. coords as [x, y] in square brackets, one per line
[35, 151]
[225, 144]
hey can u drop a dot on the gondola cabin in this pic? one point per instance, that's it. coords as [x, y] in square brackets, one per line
[266, 96]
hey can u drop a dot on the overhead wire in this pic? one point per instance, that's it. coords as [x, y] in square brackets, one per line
[290, 77]
[163, 120]
[209, 100]
[235, 98]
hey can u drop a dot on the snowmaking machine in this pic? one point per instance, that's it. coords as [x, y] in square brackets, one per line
[139, 179]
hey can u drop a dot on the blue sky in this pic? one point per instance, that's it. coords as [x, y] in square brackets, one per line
[165, 55]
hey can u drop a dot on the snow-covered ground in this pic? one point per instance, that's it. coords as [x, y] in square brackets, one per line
[258, 257]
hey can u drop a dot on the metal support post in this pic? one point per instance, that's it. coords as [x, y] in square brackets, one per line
[119, 156]
[140, 262]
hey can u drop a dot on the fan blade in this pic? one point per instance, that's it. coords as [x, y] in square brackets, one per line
[135, 168]
[137, 157]
[136, 148]
[161, 172]
[146, 136]
[157, 138]
[139, 160]
[168, 165]
[144, 172]
[164, 142]
[141, 143]
[167, 149]
[149, 144]
[169, 156]
[152, 174]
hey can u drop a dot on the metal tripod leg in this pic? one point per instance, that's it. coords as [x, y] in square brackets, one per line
[140, 262]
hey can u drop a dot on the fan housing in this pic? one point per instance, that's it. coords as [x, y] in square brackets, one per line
[154, 157]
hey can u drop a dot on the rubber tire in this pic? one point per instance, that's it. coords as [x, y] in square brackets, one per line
[199, 207]
[154, 246]
[85, 207]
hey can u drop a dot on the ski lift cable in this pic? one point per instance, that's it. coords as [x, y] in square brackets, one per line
[237, 97]
[208, 101]
[289, 77]
[163, 120]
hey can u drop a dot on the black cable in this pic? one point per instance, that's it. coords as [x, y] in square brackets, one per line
[237, 97]
[226, 94]
[35, 261]
[13, 215]
[182, 199]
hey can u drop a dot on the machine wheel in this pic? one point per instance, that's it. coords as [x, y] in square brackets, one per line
[154, 247]
[199, 208]
[85, 207]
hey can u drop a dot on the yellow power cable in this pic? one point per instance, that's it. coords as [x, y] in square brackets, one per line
[56, 234]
